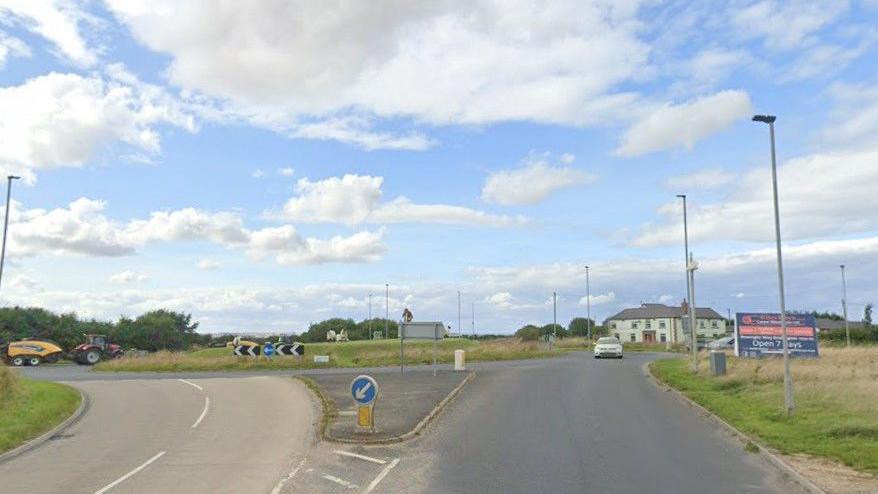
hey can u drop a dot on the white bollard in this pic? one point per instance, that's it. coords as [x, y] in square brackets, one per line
[459, 360]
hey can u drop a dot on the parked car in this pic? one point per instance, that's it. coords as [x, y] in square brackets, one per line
[724, 343]
[608, 347]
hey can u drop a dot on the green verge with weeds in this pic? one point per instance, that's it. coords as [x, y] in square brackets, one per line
[30, 408]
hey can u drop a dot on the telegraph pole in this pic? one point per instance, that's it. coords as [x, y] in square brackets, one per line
[386, 307]
[9, 179]
[473, 320]
[459, 326]
[371, 334]
[844, 305]
[554, 314]
[587, 305]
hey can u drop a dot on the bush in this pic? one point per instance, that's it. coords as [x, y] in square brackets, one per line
[528, 333]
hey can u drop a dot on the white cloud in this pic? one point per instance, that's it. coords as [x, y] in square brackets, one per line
[257, 174]
[820, 195]
[286, 172]
[854, 120]
[83, 229]
[57, 21]
[799, 20]
[12, 47]
[708, 178]
[672, 126]
[598, 299]
[60, 120]
[533, 182]
[126, 277]
[436, 63]
[711, 65]
[356, 199]
[208, 264]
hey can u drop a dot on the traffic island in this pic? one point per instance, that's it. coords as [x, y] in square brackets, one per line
[406, 402]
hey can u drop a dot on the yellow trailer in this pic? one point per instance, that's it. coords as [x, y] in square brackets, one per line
[31, 352]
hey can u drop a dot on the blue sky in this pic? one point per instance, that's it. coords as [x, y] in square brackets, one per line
[263, 165]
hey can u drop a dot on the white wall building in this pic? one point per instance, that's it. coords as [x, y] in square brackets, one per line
[658, 323]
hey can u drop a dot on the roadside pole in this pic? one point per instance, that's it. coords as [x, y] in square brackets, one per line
[693, 320]
[459, 325]
[386, 307]
[844, 305]
[554, 316]
[473, 320]
[9, 179]
[371, 334]
[587, 305]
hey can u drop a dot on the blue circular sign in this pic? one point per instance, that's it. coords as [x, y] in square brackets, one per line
[268, 349]
[364, 389]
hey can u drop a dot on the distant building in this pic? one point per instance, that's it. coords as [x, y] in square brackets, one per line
[830, 324]
[657, 323]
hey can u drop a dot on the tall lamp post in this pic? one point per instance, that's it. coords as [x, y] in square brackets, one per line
[844, 306]
[690, 292]
[587, 305]
[9, 180]
[371, 334]
[554, 314]
[789, 402]
[459, 327]
[386, 307]
[473, 320]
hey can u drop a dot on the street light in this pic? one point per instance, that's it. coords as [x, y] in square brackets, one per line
[473, 320]
[554, 314]
[587, 305]
[9, 179]
[789, 402]
[371, 334]
[690, 289]
[459, 326]
[386, 307]
[844, 305]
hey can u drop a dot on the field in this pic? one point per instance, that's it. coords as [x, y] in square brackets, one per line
[349, 354]
[29, 408]
[836, 397]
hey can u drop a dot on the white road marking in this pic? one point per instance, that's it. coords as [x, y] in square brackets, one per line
[381, 476]
[283, 481]
[347, 413]
[339, 481]
[203, 412]
[362, 457]
[129, 474]
[199, 388]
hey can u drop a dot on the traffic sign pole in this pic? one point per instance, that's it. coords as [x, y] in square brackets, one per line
[364, 390]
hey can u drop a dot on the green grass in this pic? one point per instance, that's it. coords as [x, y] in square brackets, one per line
[29, 408]
[823, 425]
[348, 354]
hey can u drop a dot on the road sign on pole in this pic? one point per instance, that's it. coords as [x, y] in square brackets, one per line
[364, 390]
[268, 349]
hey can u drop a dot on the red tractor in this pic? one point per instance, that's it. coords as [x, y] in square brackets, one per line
[96, 348]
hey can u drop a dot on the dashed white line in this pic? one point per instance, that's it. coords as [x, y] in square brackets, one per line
[341, 482]
[199, 388]
[362, 457]
[203, 412]
[129, 474]
[381, 476]
[283, 481]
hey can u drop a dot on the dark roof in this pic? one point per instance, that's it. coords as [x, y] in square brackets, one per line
[835, 324]
[656, 311]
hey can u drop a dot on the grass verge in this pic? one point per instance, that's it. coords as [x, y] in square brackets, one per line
[836, 402]
[30, 408]
[348, 355]
[328, 410]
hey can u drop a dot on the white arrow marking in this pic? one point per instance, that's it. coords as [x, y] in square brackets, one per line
[360, 394]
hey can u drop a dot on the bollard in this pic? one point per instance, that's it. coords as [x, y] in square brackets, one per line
[718, 363]
[459, 360]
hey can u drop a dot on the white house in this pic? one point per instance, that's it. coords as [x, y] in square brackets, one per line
[656, 323]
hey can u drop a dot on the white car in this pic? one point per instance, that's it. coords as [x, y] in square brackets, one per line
[608, 347]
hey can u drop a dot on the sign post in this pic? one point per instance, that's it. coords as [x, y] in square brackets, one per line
[364, 390]
[433, 330]
[268, 350]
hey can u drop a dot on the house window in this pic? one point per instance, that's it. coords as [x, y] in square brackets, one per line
[663, 338]
[648, 324]
[661, 325]
[616, 335]
[633, 337]
[714, 324]
[701, 324]
[634, 325]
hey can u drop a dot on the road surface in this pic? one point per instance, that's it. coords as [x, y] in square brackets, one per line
[569, 424]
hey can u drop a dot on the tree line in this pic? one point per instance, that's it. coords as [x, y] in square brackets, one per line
[155, 330]
[578, 326]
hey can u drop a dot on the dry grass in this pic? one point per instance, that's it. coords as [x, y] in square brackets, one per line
[9, 385]
[846, 376]
[352, 354]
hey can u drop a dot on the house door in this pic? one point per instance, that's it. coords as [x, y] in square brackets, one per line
[649, 336]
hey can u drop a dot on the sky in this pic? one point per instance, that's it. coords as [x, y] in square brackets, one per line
[265, 165]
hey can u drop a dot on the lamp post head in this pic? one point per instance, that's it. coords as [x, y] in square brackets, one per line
[13, 177]
[769, 119]
[681, 196]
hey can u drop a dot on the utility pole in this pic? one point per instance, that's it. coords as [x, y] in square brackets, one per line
[729, 319]
[844, 305]
[691, 321]
[459, 324]
[371, 334]
[587, 305]
[473, 320]
[9, 179]
[692, 312]
[554, 314]
[386, 307]
[789, 400]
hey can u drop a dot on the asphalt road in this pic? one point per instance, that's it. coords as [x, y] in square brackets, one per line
[574, 424]
[569, 424]
[232, 435]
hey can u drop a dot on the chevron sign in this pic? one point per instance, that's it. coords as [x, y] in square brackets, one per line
[290, 349]
[246, 351]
